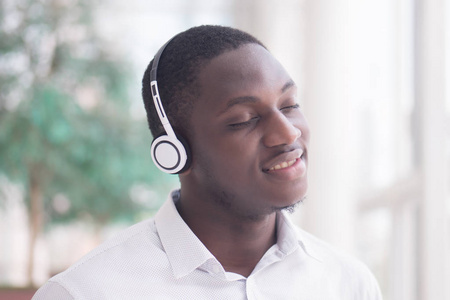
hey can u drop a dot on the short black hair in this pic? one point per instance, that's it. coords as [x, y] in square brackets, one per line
[178, 67]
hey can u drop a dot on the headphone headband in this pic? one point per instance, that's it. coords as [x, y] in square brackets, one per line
[156, 58]
[155, 93]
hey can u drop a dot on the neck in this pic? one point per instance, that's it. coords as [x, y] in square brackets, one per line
[238, 242]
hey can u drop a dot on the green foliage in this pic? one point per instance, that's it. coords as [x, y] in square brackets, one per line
[64, 113]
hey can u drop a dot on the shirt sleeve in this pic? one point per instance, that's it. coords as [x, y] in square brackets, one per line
[52, 290]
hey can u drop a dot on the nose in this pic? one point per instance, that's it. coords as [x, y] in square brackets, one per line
[280, 130]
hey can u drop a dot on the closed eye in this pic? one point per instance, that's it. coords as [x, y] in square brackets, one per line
[291, 107]
[243, 124]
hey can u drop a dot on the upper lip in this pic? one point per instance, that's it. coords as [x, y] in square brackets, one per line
[285, 156]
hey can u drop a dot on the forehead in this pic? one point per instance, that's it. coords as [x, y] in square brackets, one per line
[247, 71]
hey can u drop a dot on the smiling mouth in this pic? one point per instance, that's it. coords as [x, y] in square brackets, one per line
[285, 164]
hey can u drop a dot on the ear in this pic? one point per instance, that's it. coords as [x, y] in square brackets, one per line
[171, 154]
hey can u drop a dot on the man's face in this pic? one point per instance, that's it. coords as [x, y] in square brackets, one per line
[249, 137]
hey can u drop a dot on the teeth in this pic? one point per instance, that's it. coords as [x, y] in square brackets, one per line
[283, 165]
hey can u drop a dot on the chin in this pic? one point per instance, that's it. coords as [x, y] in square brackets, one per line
[292, 207]
[288, 201]
[291, 195]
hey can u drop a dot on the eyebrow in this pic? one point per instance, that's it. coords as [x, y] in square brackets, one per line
[287, 86]
[251, 99]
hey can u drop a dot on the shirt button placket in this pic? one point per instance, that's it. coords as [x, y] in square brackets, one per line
[251, 289]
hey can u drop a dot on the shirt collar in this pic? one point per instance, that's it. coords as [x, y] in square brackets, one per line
[184, 250]
[290, 237]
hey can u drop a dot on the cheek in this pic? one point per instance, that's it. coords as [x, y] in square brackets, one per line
[228, 158]
[240, 149]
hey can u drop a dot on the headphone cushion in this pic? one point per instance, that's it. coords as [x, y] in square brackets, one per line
[170, 154]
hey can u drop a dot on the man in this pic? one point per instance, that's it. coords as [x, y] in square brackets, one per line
[236, 135]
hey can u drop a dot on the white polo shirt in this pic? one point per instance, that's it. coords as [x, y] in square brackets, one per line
[161, 258]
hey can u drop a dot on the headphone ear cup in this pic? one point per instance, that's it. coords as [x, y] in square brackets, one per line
[169, 154]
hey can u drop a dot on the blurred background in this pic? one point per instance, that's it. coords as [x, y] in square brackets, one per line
[75, 165]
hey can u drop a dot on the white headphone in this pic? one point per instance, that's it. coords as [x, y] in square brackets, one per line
[169, 152]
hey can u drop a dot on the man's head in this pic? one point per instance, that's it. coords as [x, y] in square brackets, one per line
[178, 70]
[238, 108]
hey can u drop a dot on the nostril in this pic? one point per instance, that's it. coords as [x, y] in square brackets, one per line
[280, 130]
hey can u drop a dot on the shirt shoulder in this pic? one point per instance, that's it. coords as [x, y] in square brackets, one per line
[343, 271]
[52, 290]
[136, 250]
